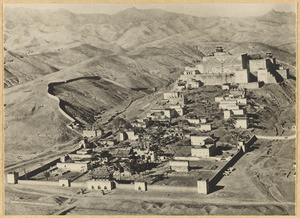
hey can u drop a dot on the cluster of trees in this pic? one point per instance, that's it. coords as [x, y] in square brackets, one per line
[120, 123]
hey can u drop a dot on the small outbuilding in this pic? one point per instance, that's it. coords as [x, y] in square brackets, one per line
[64, 183]
[100, 185]
[12, 177]
[203, 186]
[140, 186]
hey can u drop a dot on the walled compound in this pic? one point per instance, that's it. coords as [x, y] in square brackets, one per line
[221, 67]
[176, 136]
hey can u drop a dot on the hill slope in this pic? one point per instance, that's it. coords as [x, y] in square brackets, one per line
[130, 49]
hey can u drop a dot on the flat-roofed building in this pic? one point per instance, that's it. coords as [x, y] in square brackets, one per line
[100, 185]
[140, 186]
[178, 108]
[174, 98]
[205, 127]
[203, 151]
[75, 166]
[12, 177]
[201, 140]
[241, 122]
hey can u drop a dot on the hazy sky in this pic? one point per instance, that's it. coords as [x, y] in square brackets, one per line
[200, 9]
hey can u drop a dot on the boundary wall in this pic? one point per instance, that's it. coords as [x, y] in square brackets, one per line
[39, 170]
[38, 182]
[219, 175]
[50, 93]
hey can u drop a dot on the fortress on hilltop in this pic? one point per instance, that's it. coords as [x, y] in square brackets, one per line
[221, 67]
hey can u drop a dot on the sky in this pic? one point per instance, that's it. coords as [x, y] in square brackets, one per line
[196, 9]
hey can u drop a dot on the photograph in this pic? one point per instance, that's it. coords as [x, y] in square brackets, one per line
[157, 109]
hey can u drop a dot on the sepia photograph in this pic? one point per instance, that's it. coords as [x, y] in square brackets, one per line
[149, 109]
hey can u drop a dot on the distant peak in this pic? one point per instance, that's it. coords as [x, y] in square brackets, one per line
[132, 9]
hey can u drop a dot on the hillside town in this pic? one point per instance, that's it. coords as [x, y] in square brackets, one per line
[183, 139]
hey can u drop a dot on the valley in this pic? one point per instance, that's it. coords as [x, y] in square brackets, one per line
[103, 70]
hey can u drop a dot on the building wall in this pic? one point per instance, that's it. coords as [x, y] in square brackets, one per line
[193, 121]
[64, 183]
[203, 186]
[265, 76]
[257, 64]
[238, 112]
[200, 152]
[198, 140]
[131, 135]
[252, 85]
[283, 73]
[223, 64]
[219, 98]
[12, 178]
[178, 108]
[232, 107]
[89, 133]
[241, 101]
[174, 98]
[205, 127]
[76, 167]
[100, 185]
[225, 106]
[241, 76]
[241, 123]
[227, 114]
[140, 186]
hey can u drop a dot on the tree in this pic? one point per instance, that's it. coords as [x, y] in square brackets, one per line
[230, 123]
[47, 175]
[119, 123]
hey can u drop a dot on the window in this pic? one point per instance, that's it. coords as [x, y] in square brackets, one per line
[92, 187]
[99, 187]
[105, 187]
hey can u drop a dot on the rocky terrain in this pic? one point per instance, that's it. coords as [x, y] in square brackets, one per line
[150, 50]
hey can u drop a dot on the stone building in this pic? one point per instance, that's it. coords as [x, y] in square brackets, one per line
[130, 135]
[205, 127]
[241, 122]
[100, 185]
[203, 146]
[12, 177]
[75, 166]
[174, 98]
[266, 68]
[179, 109]
[140, 186]
[92, 133]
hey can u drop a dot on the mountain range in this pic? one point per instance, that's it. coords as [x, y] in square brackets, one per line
[133, 48]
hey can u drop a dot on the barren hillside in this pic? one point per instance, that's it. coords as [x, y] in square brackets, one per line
[130, 49]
